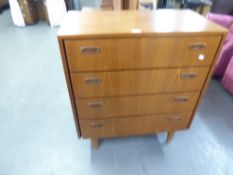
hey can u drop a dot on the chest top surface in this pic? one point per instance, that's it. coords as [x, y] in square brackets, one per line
[138, 23]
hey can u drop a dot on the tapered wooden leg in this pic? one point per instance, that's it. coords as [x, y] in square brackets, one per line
[95, 143]
[170, 135]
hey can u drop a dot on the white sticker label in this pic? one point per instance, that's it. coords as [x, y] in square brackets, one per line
[201, 57]
[135, 30]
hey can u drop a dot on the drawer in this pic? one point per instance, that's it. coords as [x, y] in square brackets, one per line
[136, 53]
[138, 82]
[133, 125]
[99, 108]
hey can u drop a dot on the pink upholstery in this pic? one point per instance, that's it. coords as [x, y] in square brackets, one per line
[224, 66]
[227, 49]
[223, 20]
[227, 79]
[224, 57]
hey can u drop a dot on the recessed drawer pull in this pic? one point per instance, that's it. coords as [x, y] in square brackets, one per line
[197, 46]
[89, 50]
[181, 98]
[96, 125]
[93, 80]
[95, 104]
[188, 75]
[175, 118]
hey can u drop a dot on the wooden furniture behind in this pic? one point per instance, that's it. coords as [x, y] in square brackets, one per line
[3, 3]
[222, 7]
[119, 4]
[137, 72]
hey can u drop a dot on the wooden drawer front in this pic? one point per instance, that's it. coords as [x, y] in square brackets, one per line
[138, 82]
[113, 54]
[97, 108]
[133, 125]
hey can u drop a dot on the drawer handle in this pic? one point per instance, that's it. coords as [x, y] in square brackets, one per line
[197, 46]
[188, 75]
[175, 118]
[95, 104]
[96, 125]
[93, 80]
[89, 50]
[181, 98]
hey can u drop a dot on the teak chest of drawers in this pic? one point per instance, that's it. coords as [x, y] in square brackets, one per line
[136, 72]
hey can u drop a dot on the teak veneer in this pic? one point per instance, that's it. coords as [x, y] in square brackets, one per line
[137, 72]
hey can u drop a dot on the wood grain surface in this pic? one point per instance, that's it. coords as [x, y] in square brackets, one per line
[137, 125]
[162, 22]
[138, 82]
[134, 53]
[99, 108]
[137, 72]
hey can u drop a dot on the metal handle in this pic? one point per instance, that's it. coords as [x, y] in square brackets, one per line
[188, 75]
[93, 80]
[89, 50]
[95, 104]
[181, 98]
[97, 125]
[175, 118]
[197, 46]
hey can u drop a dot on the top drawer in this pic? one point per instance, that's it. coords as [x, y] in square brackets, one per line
[136, 53]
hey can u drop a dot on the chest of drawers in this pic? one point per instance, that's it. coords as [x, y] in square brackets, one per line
[135, 73]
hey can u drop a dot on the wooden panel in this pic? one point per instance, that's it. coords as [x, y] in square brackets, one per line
[107, 4]
[133, 125]
[28, 10]
[117, 4]
[133, 53]
[97, 108]
[3, 3]
[164, 22]
[69, 85]
[138, 82]
[133, 4]
[208, 77]
[41, 10]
